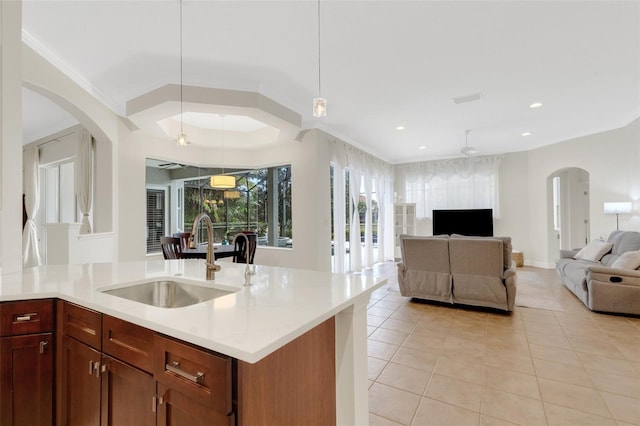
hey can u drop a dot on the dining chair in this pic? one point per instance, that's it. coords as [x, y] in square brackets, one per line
[171, 247]
[240, 247]
[184, 238]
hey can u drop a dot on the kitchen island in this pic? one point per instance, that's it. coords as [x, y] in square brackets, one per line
[248, 324]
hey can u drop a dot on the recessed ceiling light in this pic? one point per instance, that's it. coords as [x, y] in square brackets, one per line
[535, 105]
[422, 147]
[400, 128]
[525, 134]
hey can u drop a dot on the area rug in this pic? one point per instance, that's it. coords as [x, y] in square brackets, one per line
[533, 292]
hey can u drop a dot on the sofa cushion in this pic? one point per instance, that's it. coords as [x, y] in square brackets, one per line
[507, 248]
[594, 251]
[425, 253]
[476, 256]
[628, 260]
[624, 241]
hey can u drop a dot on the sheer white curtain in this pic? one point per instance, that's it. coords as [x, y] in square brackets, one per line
[83, 178]
[369, 174]
[339, 208]
[384, 190]
[463, 183]
[355, 247]
[368, 218]
[31, 185]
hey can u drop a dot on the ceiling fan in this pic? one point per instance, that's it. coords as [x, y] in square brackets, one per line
[467, 150]
[170, 165]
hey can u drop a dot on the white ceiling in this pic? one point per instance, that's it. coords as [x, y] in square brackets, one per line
[384, 64]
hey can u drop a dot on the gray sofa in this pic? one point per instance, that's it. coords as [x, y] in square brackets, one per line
[458, 269]
[597, 284]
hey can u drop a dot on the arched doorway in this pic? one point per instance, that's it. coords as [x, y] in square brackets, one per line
[568, 215]
[52, 123]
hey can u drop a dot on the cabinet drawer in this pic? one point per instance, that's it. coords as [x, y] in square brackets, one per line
[128, 342]
[80, 323]
[26, 317]
[197, 373]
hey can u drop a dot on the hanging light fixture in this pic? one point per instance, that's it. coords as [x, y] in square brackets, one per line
[319, 103]
[231, 194]
[182, 137]
[222, 181]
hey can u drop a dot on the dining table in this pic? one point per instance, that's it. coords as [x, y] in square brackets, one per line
[200, 252]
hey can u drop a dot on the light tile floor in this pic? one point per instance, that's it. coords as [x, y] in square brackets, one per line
[438, 365]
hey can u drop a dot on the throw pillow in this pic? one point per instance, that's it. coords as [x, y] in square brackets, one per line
[628, 260]
[594, 251]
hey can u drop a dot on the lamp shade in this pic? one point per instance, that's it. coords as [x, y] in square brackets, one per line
[222, 182]
[617, 207]
[182, 139]
[319, 107]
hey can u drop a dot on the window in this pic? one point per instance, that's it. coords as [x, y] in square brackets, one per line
[362, 219]
[58, 193]
[156, 224]
[260, 202]
[465, 183]
[556, 203]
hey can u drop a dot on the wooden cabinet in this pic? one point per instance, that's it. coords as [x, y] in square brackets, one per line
[128, 395]
[80, 386]
[104, 370]
[295, 385]
[128, 386]
[194, 385]
[26, 363]
[78, 366]
[112, 372]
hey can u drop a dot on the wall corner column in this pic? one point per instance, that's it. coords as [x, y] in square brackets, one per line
[352, 396]
[11, 136]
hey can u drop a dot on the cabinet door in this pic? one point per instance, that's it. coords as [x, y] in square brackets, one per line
[80, 387]
[128, 395]
[26, 380]
[176, 408]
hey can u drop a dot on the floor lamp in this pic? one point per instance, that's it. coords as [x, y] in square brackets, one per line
[617, 208]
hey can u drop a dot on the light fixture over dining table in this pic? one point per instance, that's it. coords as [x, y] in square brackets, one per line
[222, 181]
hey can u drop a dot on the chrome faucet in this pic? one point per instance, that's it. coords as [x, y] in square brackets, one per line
[210, 262]
[248, 272]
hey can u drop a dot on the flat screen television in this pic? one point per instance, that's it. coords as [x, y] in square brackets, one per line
[472, 222]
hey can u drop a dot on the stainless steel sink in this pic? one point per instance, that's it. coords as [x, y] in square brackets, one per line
[167, 293]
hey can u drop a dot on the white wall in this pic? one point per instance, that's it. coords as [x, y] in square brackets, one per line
[10, 136]
[310, 197]
[42, 77]
[612, 160]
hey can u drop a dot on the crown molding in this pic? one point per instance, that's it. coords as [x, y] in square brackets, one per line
[71, 73]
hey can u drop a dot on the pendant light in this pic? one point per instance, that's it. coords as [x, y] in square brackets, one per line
[222, 181]
[319, 103]
[182, 137]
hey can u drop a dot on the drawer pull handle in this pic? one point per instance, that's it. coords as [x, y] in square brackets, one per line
[90, 367]
[25, 317]
[174, 368]
[43, 346]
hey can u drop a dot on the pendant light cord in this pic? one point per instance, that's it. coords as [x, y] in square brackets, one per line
[319, 86]
[223, 134]
[181, 130]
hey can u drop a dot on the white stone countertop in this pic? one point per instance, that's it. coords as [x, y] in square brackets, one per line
[248, 324]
